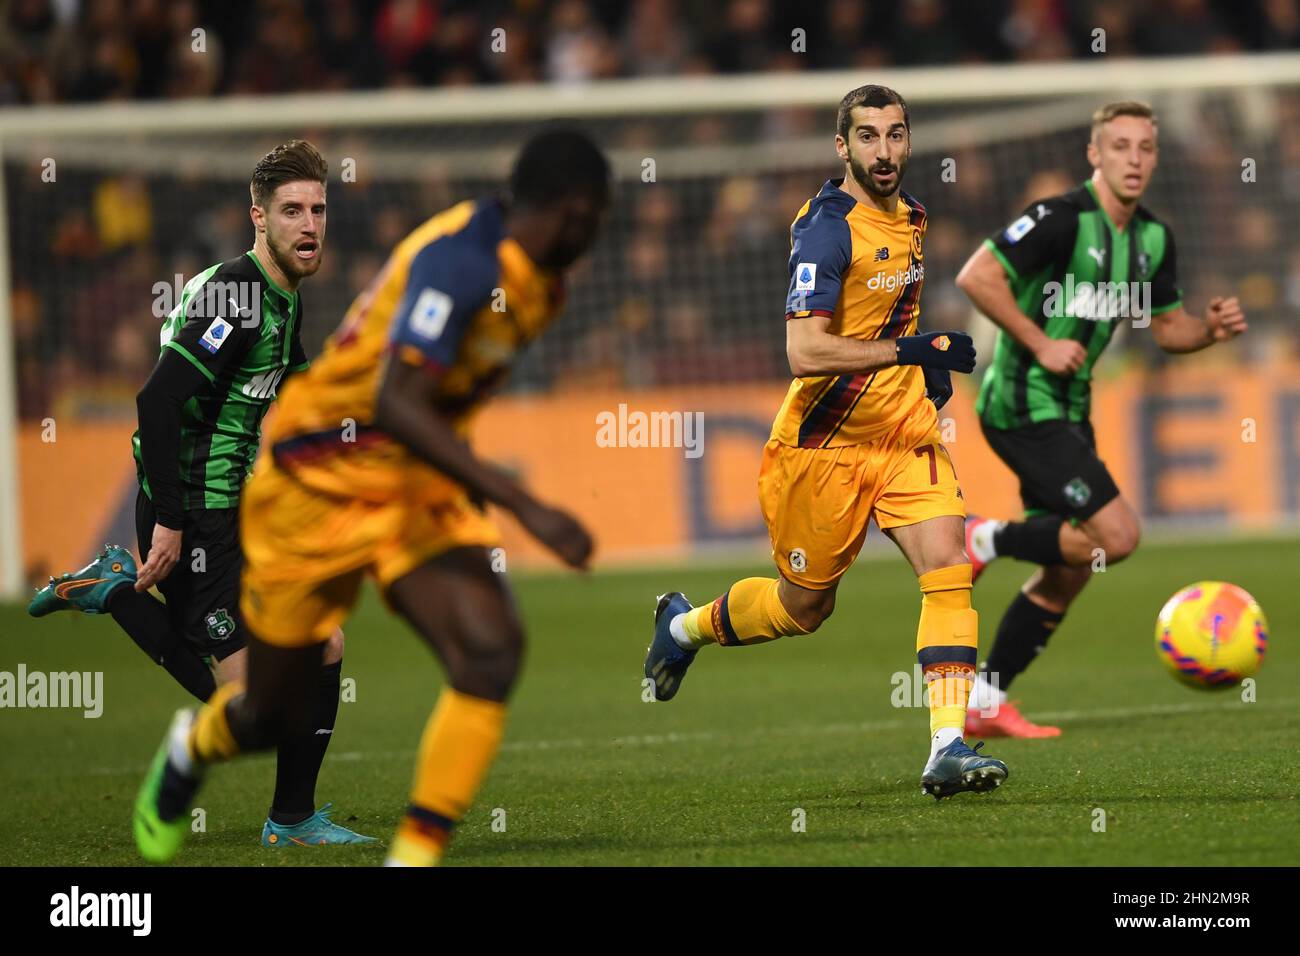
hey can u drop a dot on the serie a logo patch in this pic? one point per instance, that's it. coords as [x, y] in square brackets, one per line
[216, 335]
[805, 277]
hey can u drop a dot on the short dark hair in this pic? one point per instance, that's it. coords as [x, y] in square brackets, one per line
[294, 160]
[870, 95]
[557, 162]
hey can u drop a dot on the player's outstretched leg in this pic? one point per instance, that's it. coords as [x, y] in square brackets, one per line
[89, 589]
[106, 585]
[752, 611]
[666, 661]
[277, 705]
[464, 610]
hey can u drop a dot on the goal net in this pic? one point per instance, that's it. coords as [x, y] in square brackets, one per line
[108, 211]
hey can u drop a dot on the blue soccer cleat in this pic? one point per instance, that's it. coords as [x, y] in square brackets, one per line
[317, 830]
[86, 590]
[666, 660]
[956, 768]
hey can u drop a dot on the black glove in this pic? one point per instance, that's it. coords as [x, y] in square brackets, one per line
[938, 386]
[951, 350]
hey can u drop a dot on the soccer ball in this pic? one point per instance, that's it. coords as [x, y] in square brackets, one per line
[1211, 634]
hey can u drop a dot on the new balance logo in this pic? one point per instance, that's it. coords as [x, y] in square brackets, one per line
[882, 254]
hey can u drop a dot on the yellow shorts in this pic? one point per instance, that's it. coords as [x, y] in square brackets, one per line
[306, 551]
[817, 501]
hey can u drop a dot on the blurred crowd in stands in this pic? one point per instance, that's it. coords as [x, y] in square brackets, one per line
[688, 282]
[92, 50]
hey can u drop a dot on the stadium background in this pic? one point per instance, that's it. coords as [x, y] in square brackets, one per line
[152, 130]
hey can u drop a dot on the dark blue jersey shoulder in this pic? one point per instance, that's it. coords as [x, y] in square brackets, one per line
[448, 281]
[821, 248]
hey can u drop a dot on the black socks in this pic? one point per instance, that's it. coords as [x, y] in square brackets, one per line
[1022, 634]
[1037, 539]
[298, 761]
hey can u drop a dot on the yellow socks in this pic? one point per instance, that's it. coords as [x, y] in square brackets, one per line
[459, 744]
[750, 612]
[210, 738]
[947, 643]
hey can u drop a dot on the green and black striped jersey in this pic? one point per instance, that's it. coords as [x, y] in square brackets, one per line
[1077, 276]
[242, 331]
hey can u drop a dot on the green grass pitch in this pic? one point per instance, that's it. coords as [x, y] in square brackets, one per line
[592, 775]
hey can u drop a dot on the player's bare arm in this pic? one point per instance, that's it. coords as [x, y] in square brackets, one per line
[404, 409]
[984, 281]
[812, 350]
[1179, 331]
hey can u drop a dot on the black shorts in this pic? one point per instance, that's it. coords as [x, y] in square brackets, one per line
[202, 590]
[1058, 467]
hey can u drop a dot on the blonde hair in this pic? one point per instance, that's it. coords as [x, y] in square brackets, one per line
[1105, 114]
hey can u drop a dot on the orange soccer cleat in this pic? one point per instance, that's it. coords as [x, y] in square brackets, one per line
[1007, 722]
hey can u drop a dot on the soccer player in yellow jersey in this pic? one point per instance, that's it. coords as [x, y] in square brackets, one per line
[857, 437]
[369, 472]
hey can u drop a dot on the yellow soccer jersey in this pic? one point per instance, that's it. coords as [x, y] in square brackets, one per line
[458, 297]
[864, 269]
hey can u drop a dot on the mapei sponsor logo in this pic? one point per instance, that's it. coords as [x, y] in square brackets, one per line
[892, 281]
[74, 909]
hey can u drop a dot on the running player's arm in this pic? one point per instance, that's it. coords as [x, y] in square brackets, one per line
[193, 358]
[1026, 246]
[1176, 329]
[447, 285]
[818, 260]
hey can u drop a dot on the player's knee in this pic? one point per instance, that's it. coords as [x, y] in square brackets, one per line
[1119, 541]
[489, 666]
[812, 608]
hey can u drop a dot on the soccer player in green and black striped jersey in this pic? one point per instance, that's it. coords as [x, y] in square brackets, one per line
[226, 348]
[1058, 281]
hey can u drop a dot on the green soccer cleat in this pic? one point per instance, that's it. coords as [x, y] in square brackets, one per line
[158, 839]
[86, 590]
[957, 768]
[317, 830]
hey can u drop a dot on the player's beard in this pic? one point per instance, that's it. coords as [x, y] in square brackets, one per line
[287, 259]
[863, 175]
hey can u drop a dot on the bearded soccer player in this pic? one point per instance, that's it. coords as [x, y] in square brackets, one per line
[856, 438]
[226, 347]
[1057, 281]
[370, 473]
